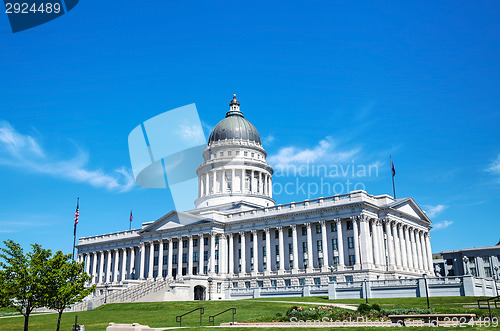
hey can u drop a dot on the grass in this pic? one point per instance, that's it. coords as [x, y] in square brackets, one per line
[162, 314]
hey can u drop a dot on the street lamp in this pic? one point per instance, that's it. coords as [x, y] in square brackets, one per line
[495, 278]
[210, 280]
[466, 263]
[106, 285]
[426, 291]
[366, 291]
[332, 269]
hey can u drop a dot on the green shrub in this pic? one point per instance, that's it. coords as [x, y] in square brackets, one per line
[364, 308]
[376, 307]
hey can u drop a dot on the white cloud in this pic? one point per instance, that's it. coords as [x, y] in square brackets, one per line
[433, 211]
[442, 225]
[494, 166]
[324, 151]
[25, 152]
[268, 140]
[193, 134]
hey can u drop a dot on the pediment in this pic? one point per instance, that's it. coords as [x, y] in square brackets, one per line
[409, 207]
[173, 219]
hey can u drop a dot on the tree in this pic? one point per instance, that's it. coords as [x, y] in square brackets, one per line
[23, 278]
[65, 283]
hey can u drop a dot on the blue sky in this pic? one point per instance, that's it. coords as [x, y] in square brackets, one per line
[338, 83]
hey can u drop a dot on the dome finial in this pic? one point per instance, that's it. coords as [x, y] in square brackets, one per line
[234, 108]
[234, 101]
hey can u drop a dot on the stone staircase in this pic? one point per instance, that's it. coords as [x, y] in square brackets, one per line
[131, 293]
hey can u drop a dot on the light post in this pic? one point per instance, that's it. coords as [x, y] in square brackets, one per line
[366, 291]
[495, 278]
[466, 263]
[106, 285]
[332, 269]
[426, 291]
[210, 280]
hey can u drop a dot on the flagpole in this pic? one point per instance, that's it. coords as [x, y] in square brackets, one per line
[76, 222]
[130, 222]
[393, 173]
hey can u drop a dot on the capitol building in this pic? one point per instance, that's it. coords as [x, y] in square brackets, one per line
[237, 238]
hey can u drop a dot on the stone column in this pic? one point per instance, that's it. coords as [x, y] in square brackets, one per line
[116, 264]
[414, 249]
[207, 184]
[231, 253]
[281, 247]
[380, 235]
[160, 260]
[109, 275]
[243, 253]
[366, 253]
[390, 245]
[376, 243]
[201, 263]
[424, 251]
[142, 263]
[270, 187]
[95, 280]
[190, 255]
[170, 256]
[268, 251]
[429, 252]
[356, 242]
[180, 252]
[222, 254]
[233, 181]
[255, 250]
[261, 186]
[132, 263]
[409, 253]
[324, 241]
[340, 244]
[223, 181]
[151, 259]
[419, 250]
[252, 183]
[295, 249]
[396, 245]
[242, 181]
[123, 273]
[310, 257]
[87, 264]
[402, 243]
[212, 253]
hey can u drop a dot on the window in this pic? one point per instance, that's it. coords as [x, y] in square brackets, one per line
[165, 259]
[219, 287]
[235, 284]
[264, 235]
[175, 243]
[333, 279]
[487, 271]
[277, 250]
[333, 226]
[216, 254]
[335, 261]
[302, 281]
[317, 281]
[245, 153]
[195, 242]
[174, 259]
[349, 225]
[157, 247]
[184, 257]
[335, 244]
[205, 256]
[205, 270]
[216, 240]
[264, 266]
[195, 270]
[350, 242]
[472, 259]
[264, 253]
[251, 238]
[473, 272]
[164, 273]
[260, 283]
[239, 239]
[251, 267]
[304, 230]
[217, 269]
[247, 284]
[251, 251]
[239, 253]
[304, 246]
[486, 259]
[229, 153]
[221, 154]
[306, 263]
[237, 153]
[319, 245]
[288, 282]
[352, 260]
[276, 234]
[349, 279]
[274, 283]
[318, 228]
[449, 261]
[195, 256]
[290, 233]
[252, 155]
[165, 247]
[155, 262]
[205, 241]
[290, 248]
[320, 261]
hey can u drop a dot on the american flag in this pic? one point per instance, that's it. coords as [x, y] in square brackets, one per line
[77, 212]
[131, 217]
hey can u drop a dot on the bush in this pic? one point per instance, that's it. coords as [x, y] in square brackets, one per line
[376, 307]
[364, 308]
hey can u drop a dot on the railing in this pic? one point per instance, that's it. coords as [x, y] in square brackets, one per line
[495, 300]
[179, 318]
[212, 318]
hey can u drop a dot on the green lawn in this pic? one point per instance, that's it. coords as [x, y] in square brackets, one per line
[162, 314]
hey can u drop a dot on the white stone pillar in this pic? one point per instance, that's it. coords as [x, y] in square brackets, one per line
[255, 250]
[190, 255]
[424, 251]
[409, 253]
[366, 253]
[402, 243]
[131, 273]
[419, 250]
[414, 250]
[310, 258]
[242, 182]
[281, 248]
[356, 242]
[243, 253]
[87, 264]
[260, 183]
[94, 268]
[151, 259]
[116, 264]
[231, 253]
[376, 243]
[268, 251]
[396, 246]
[180, 252]
[123, 273]
[201, 263]
[212, 253]
[390, 244]
[324, 244]
[223, 181]
[252, 182]
[270, 187]
[160, 260]
[142, 263]
[109, 276]
[222, 254]
[429, 252]
[170, 257]
[233, 181]
[340, 244]
[380, 235]
[295, 249]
